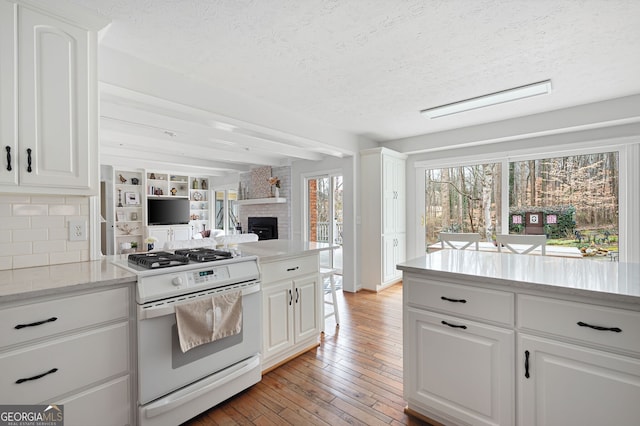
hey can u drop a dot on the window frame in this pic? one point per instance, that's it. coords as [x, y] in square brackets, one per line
[628, 177]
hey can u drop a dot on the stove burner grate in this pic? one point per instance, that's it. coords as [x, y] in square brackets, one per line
[204, 254]
[158, 259]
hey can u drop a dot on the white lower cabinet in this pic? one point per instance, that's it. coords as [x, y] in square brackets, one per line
[291, 292]
[164, 234]
[575, 363]
[564, 384]
[457, 370]
[73, 350]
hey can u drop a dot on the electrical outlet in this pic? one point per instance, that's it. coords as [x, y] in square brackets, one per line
[78, 230]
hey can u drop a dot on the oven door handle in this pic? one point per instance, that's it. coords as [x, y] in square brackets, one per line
[185, 395]
[168, 308]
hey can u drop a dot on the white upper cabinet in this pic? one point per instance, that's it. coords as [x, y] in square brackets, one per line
[48, 91]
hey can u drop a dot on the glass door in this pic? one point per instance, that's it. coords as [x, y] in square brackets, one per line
[324, 219]
[226, 211]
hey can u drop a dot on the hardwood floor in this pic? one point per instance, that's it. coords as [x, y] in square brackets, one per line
[354, 377]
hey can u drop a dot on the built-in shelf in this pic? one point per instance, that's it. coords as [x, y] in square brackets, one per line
[270, 200]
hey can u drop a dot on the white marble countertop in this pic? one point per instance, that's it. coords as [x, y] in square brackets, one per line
[18, 284]
[602, 280]
[270, 250]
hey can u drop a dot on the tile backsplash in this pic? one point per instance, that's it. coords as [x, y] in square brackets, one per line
[34, 230]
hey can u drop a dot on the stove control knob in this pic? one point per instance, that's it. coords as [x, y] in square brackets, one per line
[177, 281]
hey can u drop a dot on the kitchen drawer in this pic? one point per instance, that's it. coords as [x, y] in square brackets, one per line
[80, 360]
[461, 300]
[561, 318]
[70, 313]
[106, 405]
[289, 268]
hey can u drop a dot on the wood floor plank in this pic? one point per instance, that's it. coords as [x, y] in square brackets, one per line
[353, 378]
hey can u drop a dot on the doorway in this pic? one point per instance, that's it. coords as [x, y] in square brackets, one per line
[324, 218]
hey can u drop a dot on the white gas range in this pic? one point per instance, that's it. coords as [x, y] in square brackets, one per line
[174, 386]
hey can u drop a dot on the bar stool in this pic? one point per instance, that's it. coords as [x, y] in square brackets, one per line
[329, 273]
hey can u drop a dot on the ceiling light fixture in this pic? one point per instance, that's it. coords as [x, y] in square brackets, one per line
[522, 92]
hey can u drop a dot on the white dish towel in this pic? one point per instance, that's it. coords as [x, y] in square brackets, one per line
[208, 320]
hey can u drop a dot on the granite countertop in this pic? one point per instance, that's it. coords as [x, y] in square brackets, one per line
[602, 280]
[270, 250]
[18, 284]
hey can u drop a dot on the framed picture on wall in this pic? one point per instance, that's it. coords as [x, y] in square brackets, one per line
[131, 198]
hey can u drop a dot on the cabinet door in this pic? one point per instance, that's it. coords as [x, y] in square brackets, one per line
[464, 374]
[307, 307]
[54, 116]
[8, 134]
[277, 311]
[160, 233]
[181, 233]
[389, 243]
[572, 385]
[393, 200]
[388, 196]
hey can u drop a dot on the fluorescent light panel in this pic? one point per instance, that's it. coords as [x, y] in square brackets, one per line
[522, 92]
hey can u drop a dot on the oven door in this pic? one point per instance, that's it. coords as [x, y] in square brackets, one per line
[163, 368]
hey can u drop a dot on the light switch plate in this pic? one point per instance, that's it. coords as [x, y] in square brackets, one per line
[77, 230]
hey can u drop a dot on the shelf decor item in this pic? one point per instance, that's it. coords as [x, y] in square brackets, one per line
[275, 186]
[132, 198]
[259, 186]
[150, 242]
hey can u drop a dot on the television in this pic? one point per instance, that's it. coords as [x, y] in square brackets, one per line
[167, 211]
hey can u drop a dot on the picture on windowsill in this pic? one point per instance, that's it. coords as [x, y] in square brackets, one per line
[131, 198]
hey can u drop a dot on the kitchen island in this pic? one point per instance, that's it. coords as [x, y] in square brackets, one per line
[561, 334]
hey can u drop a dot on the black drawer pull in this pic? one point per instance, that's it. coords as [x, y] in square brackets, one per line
[464, 327]
[293, 269]
[597, 327]
[8, 158]
[33, 324]
[29, 160]
[526, 364]
[39, 376]
[453, 300]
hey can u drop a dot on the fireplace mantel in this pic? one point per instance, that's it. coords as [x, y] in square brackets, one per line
[270, 200]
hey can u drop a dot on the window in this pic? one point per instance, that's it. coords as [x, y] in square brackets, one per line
[572, 199]
[463, 199]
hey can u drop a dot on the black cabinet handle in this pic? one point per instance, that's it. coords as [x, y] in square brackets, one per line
[464, 327]
[8, 148]
[597, 327]
[29, 160]
[290, 297]
[39, 376]
[297, 295]
[293, 269]
[453, 300]
[526, 364]
[33, 324]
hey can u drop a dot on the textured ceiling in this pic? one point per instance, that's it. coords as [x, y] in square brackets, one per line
[369, 66]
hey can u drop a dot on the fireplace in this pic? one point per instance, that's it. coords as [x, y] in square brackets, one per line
[265, 227]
